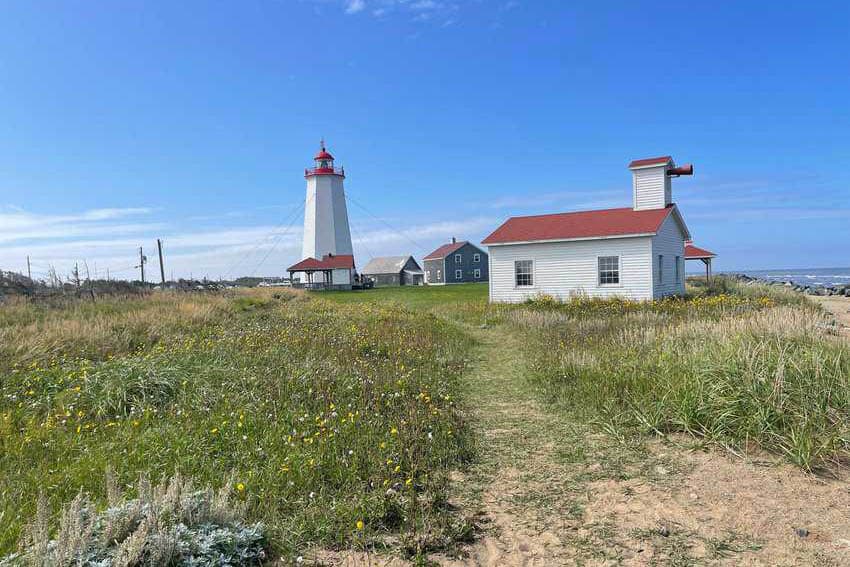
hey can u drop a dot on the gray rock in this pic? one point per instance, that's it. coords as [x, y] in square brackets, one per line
[801, 532]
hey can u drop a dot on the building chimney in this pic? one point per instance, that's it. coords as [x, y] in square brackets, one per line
[454, 240]
[651, 185]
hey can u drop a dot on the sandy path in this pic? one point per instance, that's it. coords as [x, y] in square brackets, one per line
[549, 489]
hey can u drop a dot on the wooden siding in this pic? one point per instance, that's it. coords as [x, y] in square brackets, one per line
[567, 269]
[669, 242]
[651, 188]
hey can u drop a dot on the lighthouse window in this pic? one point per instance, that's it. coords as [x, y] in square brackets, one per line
[524, 273]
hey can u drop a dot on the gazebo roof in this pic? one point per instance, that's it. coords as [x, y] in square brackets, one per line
[328, 262]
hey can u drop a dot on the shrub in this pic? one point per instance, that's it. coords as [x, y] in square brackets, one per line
[168, 524]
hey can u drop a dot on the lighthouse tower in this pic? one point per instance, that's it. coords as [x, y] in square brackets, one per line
[326, 230]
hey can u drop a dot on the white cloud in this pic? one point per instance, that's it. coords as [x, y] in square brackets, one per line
[355, 6]
[420, 10]
[99, 239]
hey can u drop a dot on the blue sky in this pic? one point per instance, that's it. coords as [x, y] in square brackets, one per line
[121, 122]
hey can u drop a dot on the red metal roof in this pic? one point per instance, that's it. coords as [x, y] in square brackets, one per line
[650, 161]
[445, 250]
[328, 262]
[582, 224]
[694, 252]
[323, 154]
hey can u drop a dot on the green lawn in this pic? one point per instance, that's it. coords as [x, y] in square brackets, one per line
[415, 297]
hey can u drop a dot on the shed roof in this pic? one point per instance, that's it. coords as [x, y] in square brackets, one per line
[696, 253]
[386, 265]
[605, 223]
[661, 160]
[445, 250]
[328, 262]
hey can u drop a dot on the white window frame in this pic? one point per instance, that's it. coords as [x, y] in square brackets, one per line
[477, 273]
[599, 271]
[661, 268]
[530, 274]
[458, 274]
[439, 275]
[476, 257]
[458, 258]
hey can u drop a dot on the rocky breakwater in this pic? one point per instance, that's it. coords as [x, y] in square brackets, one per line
[824, 290]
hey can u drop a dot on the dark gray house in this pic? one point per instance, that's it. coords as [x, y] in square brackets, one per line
[394, 270]
[456, 262]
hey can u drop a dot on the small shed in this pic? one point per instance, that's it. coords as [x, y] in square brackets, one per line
[394, 270]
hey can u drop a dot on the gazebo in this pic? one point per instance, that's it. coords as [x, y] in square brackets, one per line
[696, 253]
[335, 272]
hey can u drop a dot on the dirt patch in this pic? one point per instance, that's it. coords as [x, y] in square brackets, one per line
[840, 309]
[728, 510]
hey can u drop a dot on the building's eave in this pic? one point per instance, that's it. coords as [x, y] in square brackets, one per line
[608, 237]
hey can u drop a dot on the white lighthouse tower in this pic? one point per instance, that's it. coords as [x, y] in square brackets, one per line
[326, 230]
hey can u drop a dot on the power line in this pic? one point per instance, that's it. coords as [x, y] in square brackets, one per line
[385, 223]
[272, 234]
[277, 241]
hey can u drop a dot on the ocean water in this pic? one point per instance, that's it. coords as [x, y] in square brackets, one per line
[810, 277]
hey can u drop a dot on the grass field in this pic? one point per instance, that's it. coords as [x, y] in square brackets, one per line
[337, 419]
[337, 423]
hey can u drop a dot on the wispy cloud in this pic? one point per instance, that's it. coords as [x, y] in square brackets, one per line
[354, 6]
[439, 11]
[103, 240]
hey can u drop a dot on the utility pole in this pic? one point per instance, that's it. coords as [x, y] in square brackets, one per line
[29, 269]
[77, 275]
[161, 265]
[142, 260]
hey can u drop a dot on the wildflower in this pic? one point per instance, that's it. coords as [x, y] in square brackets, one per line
[240, 487]
[359, 524]
[214, 430]
[393, 431]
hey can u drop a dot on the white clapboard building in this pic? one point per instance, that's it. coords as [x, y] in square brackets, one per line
[636, 252]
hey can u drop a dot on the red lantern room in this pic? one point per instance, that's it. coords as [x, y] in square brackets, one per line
[324, 164]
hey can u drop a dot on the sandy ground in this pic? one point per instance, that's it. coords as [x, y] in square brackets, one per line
[840, 309]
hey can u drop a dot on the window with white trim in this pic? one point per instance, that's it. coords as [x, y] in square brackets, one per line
[458, 258]
[477, 274]
[458, 274]
[661, 268]
[524, 273]
[476, 258]
[678, 269]
[609, 270]
[439, 274]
